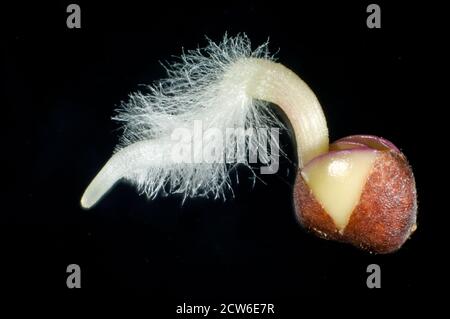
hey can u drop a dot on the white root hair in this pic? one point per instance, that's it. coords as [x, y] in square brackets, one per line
[217, 86]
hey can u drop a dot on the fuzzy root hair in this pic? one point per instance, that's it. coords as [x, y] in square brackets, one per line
[198, 87]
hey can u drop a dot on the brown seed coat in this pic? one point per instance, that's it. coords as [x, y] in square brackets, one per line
[383, 219]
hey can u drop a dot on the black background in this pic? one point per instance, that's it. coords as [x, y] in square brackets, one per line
[62, 87]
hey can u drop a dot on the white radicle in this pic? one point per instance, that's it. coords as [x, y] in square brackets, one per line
[225, 87]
